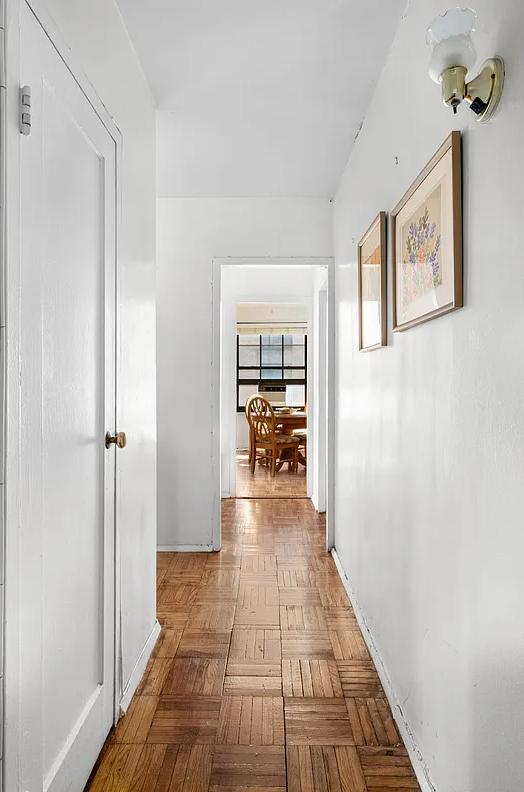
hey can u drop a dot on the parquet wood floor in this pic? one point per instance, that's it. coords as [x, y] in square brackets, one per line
[285, 484]
[260, 680]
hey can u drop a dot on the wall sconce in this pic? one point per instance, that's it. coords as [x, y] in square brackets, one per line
[454, 55]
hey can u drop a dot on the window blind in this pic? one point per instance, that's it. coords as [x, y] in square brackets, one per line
[271, 328]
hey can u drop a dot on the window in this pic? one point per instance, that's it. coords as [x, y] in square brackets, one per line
[272, 360]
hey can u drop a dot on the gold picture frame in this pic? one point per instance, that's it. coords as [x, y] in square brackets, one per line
[426, 241]
[372, 286]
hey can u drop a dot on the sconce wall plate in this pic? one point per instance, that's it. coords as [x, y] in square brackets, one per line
[454, 55]
[484, 92]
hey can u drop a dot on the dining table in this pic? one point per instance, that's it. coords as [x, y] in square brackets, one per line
[287, 422]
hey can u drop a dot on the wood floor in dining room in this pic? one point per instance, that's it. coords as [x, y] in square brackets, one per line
[285, 484]
[261, 680]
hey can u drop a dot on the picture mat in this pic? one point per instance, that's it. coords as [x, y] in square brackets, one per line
[442, 296]
[371, 288]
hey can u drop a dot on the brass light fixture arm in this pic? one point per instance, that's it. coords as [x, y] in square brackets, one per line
[481, 94]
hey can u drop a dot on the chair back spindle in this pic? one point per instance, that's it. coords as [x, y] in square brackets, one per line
[263, 432]
[261, 418]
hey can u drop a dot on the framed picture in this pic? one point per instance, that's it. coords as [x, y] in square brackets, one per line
[426, 230]
[372, 288]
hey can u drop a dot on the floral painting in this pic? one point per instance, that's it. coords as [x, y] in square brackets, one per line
[426, 235]
[421, 263]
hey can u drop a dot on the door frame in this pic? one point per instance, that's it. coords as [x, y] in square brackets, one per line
[216, 286]
[11, 429]
[323, 395]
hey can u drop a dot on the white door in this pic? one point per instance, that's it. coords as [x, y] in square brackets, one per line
[67, 527]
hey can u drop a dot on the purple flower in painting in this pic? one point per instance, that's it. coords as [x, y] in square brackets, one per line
[422, 271]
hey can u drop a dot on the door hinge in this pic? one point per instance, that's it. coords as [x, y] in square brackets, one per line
[25, 110]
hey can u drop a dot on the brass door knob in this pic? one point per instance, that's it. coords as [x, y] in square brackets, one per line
[120, 440]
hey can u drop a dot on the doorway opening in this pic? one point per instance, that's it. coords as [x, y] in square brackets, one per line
[273, 342]
[272, 365]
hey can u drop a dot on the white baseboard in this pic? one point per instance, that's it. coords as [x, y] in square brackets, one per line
[316, 505]
[415, 754]
[183, 548]
[140, 667]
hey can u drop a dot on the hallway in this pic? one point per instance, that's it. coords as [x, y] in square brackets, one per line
[261, 680]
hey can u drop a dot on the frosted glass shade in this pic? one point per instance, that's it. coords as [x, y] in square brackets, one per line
[450, 37]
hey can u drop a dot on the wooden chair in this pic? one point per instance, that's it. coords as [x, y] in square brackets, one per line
[251, 433]
[301, 434]
[249, 430]
[263, 434]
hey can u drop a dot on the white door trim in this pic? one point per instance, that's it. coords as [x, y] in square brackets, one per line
[47, 22]
[10, 270]
[331, 410]
[216, 286]
[323, 409]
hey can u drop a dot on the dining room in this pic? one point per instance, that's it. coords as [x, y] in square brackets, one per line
[274, 402]
[271, 458]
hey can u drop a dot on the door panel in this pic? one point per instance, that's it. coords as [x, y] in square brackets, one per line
[68, 268]
[72, 419]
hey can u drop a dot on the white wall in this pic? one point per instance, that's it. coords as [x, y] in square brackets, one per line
[191, 233]
[430, 458]
[96, 35]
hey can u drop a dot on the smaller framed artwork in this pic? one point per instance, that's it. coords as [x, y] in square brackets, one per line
[426, 232]
[372, 286]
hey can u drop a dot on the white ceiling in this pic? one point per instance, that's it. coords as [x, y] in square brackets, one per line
[259, 97]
